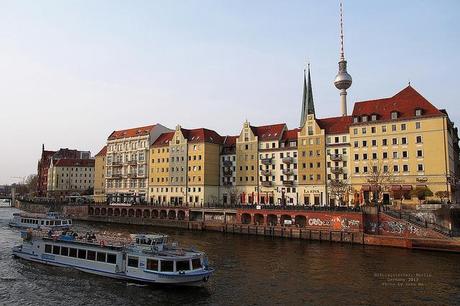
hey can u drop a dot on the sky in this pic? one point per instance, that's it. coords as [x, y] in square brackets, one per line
[71, 72]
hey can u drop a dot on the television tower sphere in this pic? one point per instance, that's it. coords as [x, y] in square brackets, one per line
[343, 80]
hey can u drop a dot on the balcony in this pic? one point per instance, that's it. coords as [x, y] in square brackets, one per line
[117, 163]
[288, 171]
[266, 172]
[116, 175]
[336, 157]
[288, 183]
[337, 170]
[132, 162]
[267, 161]
[131, 175]
[228, 172]
[288, 160]
[266, 184]
[227, 163]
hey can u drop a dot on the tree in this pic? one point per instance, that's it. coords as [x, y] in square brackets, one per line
[31, 183]
[233, 194]
[442, 195]
[338, 189]
[421, 193]
[379, 176]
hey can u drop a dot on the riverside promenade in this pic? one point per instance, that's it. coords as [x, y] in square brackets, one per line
[366, 226]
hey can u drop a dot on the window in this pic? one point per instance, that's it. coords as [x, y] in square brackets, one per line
[364, 143]
[384, 128]
[395, 154]
[418, 139]
[365, 156]
[374, 155]
[418, 112]
[374, 142]
[404, 140]
[420, 167]
[47, 248]
[182, 265]
[167, 266]
[384, 142]
[356, 144]
[394, 115]
[56, 249]
[417, 125]
[395, 168]
[64, 251]
[72, 252]
[355, 119]
[373, 130]
[393, 128]
[356, 156]
[374, 117]
[385, 155]
[196, 263]
[356, 169]
[403, 127]
[405, 168]
[133, 261]
[364, 118]
[100, 256]
[91, 255]
[81, 254]
[404, 154]
[363, 130]
[152, 264]
[419, 153]
[394, 141]
[111, 258]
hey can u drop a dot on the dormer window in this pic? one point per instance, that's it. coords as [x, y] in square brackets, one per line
[394, 115]
[373, 117]
[355, 119]
[418, 112]
[364, 118]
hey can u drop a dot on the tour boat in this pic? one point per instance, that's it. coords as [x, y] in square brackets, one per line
[143, 258]
[36, 221]
[5, 203]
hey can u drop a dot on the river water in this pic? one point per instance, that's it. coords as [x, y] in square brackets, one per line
[250, 270]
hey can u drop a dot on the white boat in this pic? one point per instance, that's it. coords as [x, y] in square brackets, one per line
[5, 203]
[36, 221]
[144, 258]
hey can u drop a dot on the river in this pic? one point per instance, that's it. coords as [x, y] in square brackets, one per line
[250, 270]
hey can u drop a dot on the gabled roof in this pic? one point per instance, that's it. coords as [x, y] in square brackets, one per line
[139, 131]
[229, 141]
[269, 132]
[335, 125]
[202, 135]
[102, 152]
[163, 139]
[404, 102]
[290, 134]
[73, 162]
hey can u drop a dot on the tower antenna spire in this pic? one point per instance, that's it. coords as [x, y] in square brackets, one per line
[342, 53]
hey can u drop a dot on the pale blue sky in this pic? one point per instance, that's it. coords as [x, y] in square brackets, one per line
[73, 71]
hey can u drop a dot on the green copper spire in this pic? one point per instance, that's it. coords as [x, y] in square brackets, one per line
[308, 106]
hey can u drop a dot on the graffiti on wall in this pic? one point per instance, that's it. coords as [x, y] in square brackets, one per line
[395, 228]
[337, 223]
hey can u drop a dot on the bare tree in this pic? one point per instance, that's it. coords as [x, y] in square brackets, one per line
[380, 176]
[233, 193]
[338, 189]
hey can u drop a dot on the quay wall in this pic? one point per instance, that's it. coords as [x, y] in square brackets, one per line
[365, 228]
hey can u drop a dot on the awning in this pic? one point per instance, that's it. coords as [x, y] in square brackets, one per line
[395, 187]
[365, 187]
[406, 187]
[375, 188]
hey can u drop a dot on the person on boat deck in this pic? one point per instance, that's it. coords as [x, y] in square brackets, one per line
[50, 233]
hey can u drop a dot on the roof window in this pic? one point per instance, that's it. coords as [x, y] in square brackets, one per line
[394, 115]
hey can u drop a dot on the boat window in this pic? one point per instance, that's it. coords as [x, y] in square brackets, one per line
[22, 220]
[196, 263]
[47, 248]
[65, 251]
[111, 258]
[70, 221]
[57, 222]
[42, 222]
[51, 222]
[152, 264]
[81, 254]
[64, 222]
[91, 255]
[167, 266]
[56, 249]
[133, 261]
[182, 265]
[47, 223]
[73, 252]
[100, 256]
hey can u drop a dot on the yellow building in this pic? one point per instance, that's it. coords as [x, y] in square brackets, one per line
[99, 176]
[399, 144]
[184, 167]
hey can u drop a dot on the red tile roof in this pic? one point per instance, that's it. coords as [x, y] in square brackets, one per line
[290, 135]
[404, 102]
[102, 152]
[202, 135]
[269, 132]
[229, 141]
[72, 162]
[335, 125]
[163, 139]
[139, 131]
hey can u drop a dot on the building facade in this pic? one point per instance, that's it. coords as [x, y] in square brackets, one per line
[67, 177]
[127, 163]
[99, 175]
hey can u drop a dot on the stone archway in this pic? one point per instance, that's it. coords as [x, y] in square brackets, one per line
[124, 212]
[300, 221]
[146, 213]
[180, 215]
[172, 214]
[91, 211]
[259, 219]
[272, 220]
[246, 218]
[138, 213]
[155, 214]
[97, 211]
[284, 218]
[163, 214]
[110, 212]
[103, 211]
[131, 213]
[116, 212]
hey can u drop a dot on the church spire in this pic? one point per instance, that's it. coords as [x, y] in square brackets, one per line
[308, 107]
